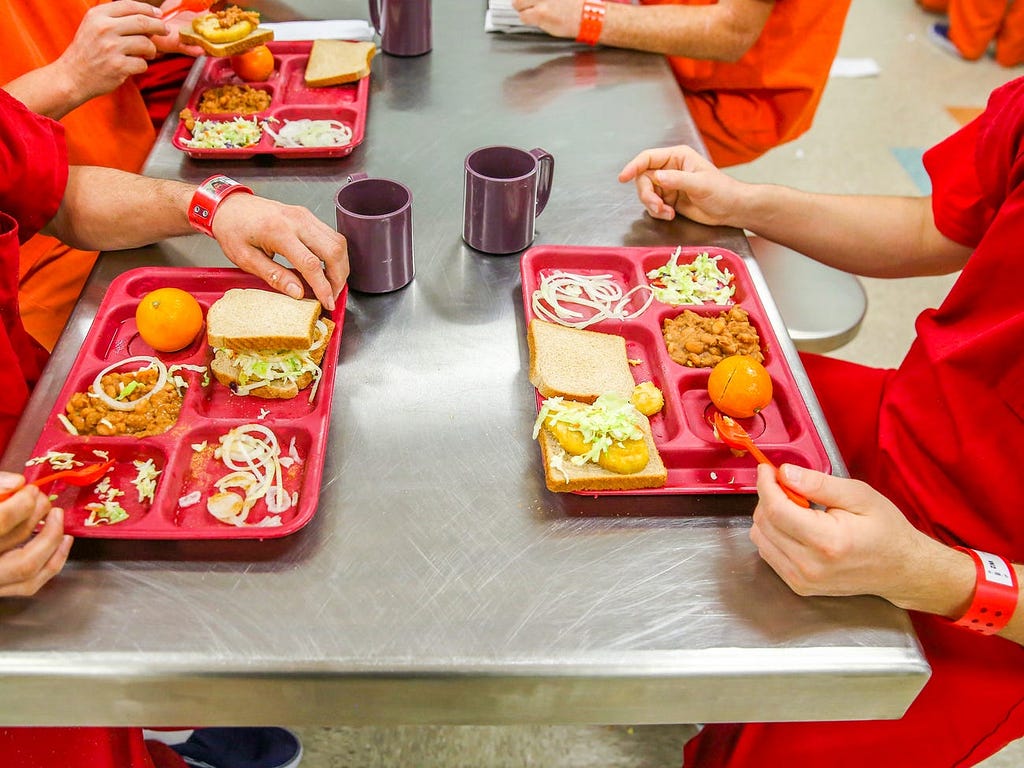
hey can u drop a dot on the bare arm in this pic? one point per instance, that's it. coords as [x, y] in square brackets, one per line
[723, 31]
[875, 236]
[107, 209]
[866, 235]
[861, 544]
[112, 43]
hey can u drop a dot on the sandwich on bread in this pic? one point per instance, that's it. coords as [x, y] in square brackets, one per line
[267, 344]
[592, 437]
[226, 33]
[601, 446]
[335, 62]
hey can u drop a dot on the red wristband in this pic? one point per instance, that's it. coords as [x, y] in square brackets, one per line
[209, 195]
[995, 593]
[591, 22]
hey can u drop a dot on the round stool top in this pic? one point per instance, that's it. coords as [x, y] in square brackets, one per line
[821, 306]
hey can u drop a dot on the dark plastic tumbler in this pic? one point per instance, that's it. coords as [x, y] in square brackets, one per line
[403, 25]
[506, 189]
[375, 216]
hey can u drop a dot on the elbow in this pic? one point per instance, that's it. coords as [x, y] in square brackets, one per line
[736, 44]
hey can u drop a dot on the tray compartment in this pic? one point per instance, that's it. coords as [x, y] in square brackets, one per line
[124, 450]
[200, 470]
[745, 292]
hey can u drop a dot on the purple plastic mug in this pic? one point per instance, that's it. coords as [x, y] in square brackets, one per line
[403, 25]
[506, 189]
[375, 216]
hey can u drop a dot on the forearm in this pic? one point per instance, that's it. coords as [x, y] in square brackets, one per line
[47, 91]
[714, 32]
[940, 580]
[874, 236]
[106, 209]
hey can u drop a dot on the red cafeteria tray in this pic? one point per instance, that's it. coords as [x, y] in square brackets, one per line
[290, 99]
[207, 413]
[696, 461]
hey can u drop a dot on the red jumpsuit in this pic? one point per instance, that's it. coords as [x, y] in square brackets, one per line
[768, 97]
[915, 434]
[33, 174]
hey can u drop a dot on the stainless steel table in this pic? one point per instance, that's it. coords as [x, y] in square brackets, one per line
[439, 581]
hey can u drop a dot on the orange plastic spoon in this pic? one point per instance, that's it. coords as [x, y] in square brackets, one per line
[86, 475]
[186, 5]
[735, 436]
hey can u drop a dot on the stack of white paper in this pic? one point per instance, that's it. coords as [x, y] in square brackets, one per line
[332, 29]
[502, 17]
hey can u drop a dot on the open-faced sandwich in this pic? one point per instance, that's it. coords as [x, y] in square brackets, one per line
[592, 435]
[227, 32]
[267, 344]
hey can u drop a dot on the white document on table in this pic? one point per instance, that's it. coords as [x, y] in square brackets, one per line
[502, 17]
[331, 29]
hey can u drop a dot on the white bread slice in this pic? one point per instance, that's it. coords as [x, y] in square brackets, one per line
[576, 364]
[226, 372]
[334, 62]
[258, 36]
[253, 320]
[562, 476]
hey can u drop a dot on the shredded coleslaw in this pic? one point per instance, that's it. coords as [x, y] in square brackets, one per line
[224, 134]
[699, 282]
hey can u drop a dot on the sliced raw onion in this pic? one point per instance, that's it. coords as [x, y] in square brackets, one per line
[253, 455]
[310, 133]
[579, 301]
[190, 498]
[129, 405]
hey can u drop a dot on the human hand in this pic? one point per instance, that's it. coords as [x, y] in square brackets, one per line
[559, 18]
[26, 567]
[251, 229]
[859, 544]
[171, 42]
[112, 43]
[672, 180]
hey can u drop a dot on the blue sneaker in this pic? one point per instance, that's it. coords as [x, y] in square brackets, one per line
[938, 33]
[241, 748]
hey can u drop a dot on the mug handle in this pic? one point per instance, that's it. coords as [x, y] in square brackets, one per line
[545, 175]
[375, 14]
[358, 176]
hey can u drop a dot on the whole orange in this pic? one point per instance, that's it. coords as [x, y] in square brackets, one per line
[255, 65]
[169, 319]
[740, 386]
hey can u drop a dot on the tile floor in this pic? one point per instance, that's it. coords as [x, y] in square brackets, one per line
[867, 136]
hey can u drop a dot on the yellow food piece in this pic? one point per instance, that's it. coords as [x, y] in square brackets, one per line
[570, 439]
[209, 26]
[647, 398]
[625, 457]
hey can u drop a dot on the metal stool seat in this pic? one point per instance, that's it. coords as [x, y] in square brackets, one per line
[821, 306]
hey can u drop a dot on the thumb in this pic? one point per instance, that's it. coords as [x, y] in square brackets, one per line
[827, 490]
[10, 481]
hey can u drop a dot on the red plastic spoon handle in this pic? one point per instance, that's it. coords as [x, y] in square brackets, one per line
[84, 476]
[795, 497]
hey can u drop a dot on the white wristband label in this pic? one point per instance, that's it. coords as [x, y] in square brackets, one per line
[997, 570]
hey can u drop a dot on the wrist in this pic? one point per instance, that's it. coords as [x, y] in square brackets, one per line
[591, 22]
[207, 199]
[935, 579]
